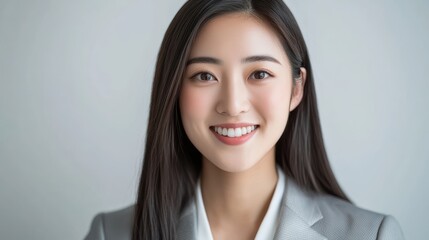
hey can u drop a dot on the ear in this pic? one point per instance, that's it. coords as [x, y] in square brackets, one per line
[298, 89]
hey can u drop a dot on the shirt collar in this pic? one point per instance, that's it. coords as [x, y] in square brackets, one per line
[269, 224]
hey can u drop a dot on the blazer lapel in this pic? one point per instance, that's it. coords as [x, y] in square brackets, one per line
[299, 211]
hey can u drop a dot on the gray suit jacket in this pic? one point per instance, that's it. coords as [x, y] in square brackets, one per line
[303, 216]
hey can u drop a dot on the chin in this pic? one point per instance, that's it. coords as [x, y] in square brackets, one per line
[233, 165]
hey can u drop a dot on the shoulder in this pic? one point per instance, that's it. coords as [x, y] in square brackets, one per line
[333, 217]
[112, 225]
[344, 220]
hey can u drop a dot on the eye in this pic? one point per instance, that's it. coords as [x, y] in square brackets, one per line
[204, 76]
[260, 75]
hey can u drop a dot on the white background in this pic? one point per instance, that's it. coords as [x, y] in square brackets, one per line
[75, 80]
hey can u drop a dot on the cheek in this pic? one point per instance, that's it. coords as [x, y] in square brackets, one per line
[194, 104]
[273, 102]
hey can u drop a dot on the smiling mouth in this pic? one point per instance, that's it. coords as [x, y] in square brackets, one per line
[234, 132]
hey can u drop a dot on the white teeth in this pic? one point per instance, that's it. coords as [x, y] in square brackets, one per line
[231, 132]
[224, 131]
[234, 132]
[237, 132]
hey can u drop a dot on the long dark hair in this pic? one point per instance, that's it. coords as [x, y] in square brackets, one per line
[172, 164]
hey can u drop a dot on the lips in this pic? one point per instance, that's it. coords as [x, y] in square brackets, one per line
[234, 133]
[235, 125]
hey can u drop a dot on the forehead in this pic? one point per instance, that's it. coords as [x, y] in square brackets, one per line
[235, 36]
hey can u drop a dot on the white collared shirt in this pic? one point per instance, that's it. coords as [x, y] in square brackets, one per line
[269, 224]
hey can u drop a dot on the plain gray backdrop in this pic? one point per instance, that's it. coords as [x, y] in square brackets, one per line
[75, 80]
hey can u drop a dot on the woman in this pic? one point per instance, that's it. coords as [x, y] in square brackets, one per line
[234, 145]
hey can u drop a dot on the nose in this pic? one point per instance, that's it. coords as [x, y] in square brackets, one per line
[234, 97]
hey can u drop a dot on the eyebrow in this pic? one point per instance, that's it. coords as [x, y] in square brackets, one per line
[211, 60]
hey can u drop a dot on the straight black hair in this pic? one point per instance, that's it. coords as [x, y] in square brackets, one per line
[171, 164]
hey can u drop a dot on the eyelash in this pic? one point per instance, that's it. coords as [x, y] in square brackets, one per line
[258, 71]
[262, 71]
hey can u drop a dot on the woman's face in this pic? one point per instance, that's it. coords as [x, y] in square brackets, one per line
[238, 78]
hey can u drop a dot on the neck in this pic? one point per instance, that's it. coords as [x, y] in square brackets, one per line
[239, 197]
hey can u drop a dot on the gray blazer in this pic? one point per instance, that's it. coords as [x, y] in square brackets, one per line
[303, 216]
